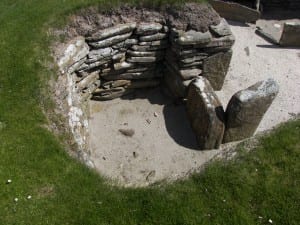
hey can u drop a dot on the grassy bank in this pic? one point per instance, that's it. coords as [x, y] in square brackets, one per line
[264, 183]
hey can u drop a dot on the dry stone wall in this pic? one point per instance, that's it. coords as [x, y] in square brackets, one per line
[114, 61]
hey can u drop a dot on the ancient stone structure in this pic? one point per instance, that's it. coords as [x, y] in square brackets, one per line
[113, 62]
[246, 108]
[191, 60]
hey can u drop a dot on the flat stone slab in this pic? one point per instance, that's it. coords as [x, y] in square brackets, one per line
[110, 41]
[193, 37]
[153, 37]
[148, 28]
[113, 31]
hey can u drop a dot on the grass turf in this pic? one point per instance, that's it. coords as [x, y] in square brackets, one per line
[264, 183]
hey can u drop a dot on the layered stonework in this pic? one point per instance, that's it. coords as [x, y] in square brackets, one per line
[190, 59]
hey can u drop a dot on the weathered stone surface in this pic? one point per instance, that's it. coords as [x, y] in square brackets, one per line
[148, 28]
[144, 83]
[109, 94]
[76, 65]
[122, 66]
[87, 81]
[137, 75]
[215, 68]
[193, 37]
[246, 109]
[116, 83]
[174, 82]
[146, 48]
[145, 54]
[98, 64]
[235, 11]
[196, 64]
[125, 44]
[120, 57]
[92, 87]
[143, 59]
[87, 93]
[222, 29]
[194, 58]
[224, 42]
[290, 34]
[76, 50]
[142, 68]
[183, 52]
[206, 114]
[110, 41]
[153, 37]
[100, 54]
[113, 31]
[155, 43]
[188, 74]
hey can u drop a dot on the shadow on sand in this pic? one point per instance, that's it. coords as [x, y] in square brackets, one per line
[175, 115]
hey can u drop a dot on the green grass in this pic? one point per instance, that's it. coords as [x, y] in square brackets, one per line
[262, 183]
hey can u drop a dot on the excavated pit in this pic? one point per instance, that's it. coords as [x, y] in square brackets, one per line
[115, 72]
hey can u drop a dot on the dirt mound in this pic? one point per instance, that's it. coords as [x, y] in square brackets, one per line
[185, 17]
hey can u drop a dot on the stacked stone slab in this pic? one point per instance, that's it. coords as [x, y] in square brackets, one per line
[122, 58]
[115, 61]
[193, 54]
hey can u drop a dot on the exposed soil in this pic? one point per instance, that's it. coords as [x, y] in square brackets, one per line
[188, 16]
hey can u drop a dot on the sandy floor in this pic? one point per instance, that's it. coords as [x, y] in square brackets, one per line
[163, 145]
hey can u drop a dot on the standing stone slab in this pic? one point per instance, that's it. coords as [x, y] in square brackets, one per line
[215, 68]
[246, 109]
[206, 114]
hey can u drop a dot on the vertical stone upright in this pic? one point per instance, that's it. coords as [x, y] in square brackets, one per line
[246, 109]
[206, 114]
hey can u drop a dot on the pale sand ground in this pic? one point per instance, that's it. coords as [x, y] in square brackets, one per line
[165, 147]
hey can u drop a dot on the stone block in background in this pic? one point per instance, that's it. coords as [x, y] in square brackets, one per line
[206, 114]
[290, 34]
[246, 109]
[235, 11]
[215, 68]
